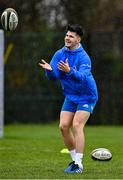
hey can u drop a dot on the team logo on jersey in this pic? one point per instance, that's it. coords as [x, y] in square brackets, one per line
[85, 106]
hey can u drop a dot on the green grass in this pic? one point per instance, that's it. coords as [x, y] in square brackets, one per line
[33, 152]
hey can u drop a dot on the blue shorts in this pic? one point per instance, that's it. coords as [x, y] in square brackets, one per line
[73, 107]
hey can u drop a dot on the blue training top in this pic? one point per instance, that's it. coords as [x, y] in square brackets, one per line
[78, 85]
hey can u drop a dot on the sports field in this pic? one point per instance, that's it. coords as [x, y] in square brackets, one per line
[33, 152]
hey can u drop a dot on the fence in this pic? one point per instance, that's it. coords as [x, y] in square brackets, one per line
[30, 97]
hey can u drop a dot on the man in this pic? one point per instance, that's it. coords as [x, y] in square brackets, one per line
[72, 66]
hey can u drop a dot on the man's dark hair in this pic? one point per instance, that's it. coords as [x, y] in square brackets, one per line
[75, 28]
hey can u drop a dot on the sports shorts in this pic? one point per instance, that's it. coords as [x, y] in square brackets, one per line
[73, 107]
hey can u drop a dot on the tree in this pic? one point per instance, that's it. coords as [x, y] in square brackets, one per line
[93, 14]
[40, 15]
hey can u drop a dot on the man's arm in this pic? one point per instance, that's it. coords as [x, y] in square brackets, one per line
[45, 65]
[80, 74]
[51, 69]
[48, 69]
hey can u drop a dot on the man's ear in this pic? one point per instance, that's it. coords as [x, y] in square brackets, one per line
[79, 39]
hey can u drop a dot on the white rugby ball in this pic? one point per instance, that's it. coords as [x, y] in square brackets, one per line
[9, 19]
[101, 154]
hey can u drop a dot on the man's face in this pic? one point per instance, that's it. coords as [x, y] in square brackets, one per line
[71, 40]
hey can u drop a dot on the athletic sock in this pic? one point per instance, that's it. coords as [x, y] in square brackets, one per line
[73, 154]
[78, 160]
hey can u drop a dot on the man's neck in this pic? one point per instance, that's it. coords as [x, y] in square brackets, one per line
[75, 47]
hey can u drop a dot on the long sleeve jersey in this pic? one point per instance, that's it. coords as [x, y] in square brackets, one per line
[78, 84]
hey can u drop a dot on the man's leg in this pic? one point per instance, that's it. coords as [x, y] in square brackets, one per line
[79, 121]
[66, 119]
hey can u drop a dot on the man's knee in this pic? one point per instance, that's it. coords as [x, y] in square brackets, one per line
[80, 120]
[76, 126]
[63, 127]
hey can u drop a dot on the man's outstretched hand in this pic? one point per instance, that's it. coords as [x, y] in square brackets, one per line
[64, 66]
[45, 65]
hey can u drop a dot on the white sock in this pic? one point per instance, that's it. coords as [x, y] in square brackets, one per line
[78, 160]
[73, 154]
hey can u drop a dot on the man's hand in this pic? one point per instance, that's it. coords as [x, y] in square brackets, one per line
[64, 66]
[45, 65]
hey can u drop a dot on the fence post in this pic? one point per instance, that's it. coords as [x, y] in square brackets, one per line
[1, 82]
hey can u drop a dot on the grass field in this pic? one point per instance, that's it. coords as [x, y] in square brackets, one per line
[33, 152]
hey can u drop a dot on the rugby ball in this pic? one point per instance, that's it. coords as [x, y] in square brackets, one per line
[9, 19]
[101, 154]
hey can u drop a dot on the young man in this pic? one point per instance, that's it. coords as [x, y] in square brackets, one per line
[72, 66]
